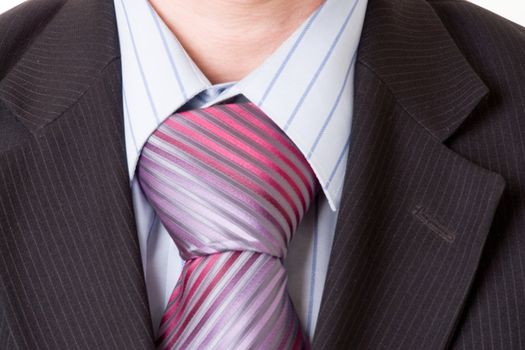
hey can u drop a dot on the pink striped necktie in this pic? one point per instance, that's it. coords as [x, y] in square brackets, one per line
[230, 188]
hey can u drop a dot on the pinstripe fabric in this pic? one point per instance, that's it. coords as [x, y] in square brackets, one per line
[428, 250]
[70, 217]
[395, 271]
[496, 314]
[231, 189]
[51, 259]
[411, 246]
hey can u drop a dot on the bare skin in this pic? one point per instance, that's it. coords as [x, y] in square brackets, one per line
[227, 39]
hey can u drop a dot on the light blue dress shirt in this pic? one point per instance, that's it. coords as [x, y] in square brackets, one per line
[305, 86]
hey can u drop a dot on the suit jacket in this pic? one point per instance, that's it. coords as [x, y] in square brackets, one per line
[429, 251]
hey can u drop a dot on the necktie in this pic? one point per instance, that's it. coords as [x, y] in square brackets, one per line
[230, 188]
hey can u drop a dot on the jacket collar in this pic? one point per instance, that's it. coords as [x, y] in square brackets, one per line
[415, 215]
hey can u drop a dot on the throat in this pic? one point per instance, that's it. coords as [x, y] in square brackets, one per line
[227, 39]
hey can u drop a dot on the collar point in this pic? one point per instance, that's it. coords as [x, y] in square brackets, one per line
[332, 201]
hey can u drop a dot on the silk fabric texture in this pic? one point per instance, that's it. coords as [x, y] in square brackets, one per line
[231, 189]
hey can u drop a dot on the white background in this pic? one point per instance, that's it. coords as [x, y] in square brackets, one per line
[512, 9]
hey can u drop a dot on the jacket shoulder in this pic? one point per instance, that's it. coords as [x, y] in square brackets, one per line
[20, 26]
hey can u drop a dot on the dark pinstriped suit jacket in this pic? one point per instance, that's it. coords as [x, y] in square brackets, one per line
[429, 251]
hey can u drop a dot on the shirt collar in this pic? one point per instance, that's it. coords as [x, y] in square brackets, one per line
[305, 86]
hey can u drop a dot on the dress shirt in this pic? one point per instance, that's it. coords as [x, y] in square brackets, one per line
[306, 87]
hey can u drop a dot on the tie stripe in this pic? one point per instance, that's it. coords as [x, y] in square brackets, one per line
[215, 132]
[176, 225]
[235, 164]
[231, 188]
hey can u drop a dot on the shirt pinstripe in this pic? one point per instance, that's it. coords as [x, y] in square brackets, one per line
[310, 99]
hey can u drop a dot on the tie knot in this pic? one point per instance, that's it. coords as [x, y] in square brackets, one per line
[226, 178]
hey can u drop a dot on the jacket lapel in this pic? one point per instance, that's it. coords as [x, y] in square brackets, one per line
[66, 213]
[415, 215]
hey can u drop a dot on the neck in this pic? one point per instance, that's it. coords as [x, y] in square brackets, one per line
[227, 39]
